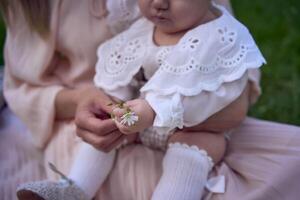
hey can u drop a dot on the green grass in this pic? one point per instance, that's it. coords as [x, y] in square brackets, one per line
[275, 25]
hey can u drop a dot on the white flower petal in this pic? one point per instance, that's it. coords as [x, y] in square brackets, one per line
[129, 119]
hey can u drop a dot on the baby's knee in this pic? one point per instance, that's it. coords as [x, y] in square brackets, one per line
[214, 144]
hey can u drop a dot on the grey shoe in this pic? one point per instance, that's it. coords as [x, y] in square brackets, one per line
[49, 190]
[65, 189]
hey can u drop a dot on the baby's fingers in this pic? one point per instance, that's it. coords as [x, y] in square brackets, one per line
[118, 113]
[123, 128]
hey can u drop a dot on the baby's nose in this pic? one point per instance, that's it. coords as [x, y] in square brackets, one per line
[161, 4]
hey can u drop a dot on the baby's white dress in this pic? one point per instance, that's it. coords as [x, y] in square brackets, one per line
[185, 83]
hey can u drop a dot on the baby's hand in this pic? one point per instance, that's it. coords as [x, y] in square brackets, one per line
[133, 116]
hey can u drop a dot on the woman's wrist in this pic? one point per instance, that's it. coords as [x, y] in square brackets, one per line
[65, 103]
[67, 100]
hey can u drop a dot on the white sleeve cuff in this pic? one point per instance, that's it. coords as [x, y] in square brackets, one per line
[168, 109]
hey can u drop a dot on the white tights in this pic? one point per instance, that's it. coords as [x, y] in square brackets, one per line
[90, 168]
[185, 171]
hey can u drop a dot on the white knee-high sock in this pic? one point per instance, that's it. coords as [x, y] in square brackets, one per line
[90, 168]
[185, 171]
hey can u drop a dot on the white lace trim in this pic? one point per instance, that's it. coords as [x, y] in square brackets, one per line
[194, 148]
[214, 184]
[121, 57]
[171, 116]
[166, 84]
[177, 113]
[206, 57]
[220, 62]
[209, 55]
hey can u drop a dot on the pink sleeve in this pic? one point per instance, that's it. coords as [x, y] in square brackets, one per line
[33, 104]
[30, 86]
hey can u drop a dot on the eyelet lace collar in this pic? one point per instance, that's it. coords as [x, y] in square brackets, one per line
[205, 57]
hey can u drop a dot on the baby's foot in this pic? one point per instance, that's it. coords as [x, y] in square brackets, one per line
[49, 190]
[65, 189]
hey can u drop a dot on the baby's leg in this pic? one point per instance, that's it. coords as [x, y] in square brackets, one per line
[186, 165]
[88, 172]
[90, 168]
[213, 143]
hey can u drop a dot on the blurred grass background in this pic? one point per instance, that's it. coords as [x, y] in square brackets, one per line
[275, 26]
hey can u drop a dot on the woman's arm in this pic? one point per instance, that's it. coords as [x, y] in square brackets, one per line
[67, 100]
[66, 103]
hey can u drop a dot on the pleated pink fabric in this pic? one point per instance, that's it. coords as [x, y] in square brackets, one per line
[262, 163]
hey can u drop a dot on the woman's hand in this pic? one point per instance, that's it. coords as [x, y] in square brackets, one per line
[93, 122]
[138, 108]
[67, 100]
[66, 103]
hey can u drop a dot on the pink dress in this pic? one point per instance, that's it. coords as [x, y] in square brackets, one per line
[262, 161]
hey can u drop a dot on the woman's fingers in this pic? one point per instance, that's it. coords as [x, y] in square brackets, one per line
[115, 143]
[93, 112]
[118, 113]
[112, 141]
[89, 137]
[87, 119]
[131, 138]
[104, 143]
[98, 127]
[94, 124]
[123, 128]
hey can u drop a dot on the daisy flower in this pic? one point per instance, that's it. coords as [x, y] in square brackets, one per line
[129, 118]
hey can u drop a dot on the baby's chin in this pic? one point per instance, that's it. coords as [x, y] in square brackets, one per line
[170, 29]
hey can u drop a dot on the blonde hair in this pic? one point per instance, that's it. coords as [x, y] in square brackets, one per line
[36, 12]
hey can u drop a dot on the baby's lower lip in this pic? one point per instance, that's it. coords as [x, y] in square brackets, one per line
[158, 18]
